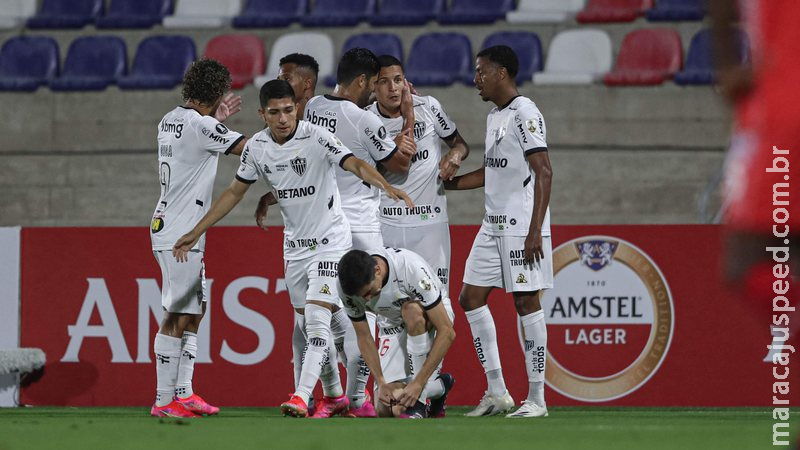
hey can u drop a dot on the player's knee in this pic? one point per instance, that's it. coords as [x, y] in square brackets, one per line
[527, 303]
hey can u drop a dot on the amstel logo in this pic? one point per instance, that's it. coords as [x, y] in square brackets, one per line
[609, 319]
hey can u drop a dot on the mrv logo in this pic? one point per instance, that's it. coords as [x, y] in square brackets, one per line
[609, 319]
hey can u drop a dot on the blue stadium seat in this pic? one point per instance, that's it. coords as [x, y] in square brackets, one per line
[439, 59]
[378, 43]
[676, 10]
[339, 13]
[160, 63]
[268, 13]
[407, 12]
[476, 11]
[699, 67]
[135, 13]
[66, 14]
[525, 44]
[93, 63]
[27, 62]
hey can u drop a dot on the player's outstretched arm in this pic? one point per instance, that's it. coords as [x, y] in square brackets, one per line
[219, 209]
[368, 173]
[445, 335]
[540, 163]
[451, 162]
[366, 344]
[472, 180]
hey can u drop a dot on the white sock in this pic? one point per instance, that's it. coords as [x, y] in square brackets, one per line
[418, 348]
[357, 369]
[339, 324]
[535, 348]
[329, 377]
[167, 350]
[484, 336]
[298, 346]
[318, 330]
[183, 388]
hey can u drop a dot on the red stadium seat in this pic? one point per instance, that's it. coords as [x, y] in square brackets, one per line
[604, 11]
[242, 54]
[647, 57]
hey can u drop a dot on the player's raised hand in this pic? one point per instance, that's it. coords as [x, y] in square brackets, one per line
[230, 105]
[261, 210]
[533, 248]
[411, 87]
[398, 194]
[184, 245]
[405, 143]
[407, 108]
[449, 165]
[410, 394]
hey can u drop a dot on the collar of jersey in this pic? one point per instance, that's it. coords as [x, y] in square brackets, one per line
[291, 136]
[500, 108]
[334, 98]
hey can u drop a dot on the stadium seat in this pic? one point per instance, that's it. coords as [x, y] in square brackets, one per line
[406, 12]
[134, 14]
[580, 56]
[338, 13]
[15, 12]
[439, 59]
[378, 43]
[699, 68]
[203, 13]
[647, 57]
[605, 11]
[160, 63]
[525, 44]
[676, 10]
[475, 11]
[318, 45]
[544, 11]
[27, 62]
[269, 13]
[93, 63]
[66, 14]
[242, 54]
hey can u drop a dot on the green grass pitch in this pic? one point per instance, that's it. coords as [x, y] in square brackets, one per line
[573, 428]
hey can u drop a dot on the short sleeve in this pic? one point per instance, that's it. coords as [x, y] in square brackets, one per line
[214, 136]
[442, 123]
[247, 172]
[335, 151]
[356, 310]
[375, 138]
[530, 129]
[420, 283]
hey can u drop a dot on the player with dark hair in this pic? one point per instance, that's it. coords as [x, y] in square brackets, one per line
[298, 161]
[400, 287]
[302, 72]
[513, 249]
[190, 139]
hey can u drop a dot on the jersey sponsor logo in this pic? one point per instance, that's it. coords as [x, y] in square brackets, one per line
[495, 219]
[157, 224]
[327, 121]
[266, 169]
[301, 243]
[175, 128]
[217, 138]
[387, 331]
[479, 350]
[517, 258]
[327, 269]
[298, 165]
[419, 130]
[375, 142]
[440, 118]
[610, 302]
[325, 290]
[406, 211]
[521, 279]
[296, 192]
[495, 162]
[522, 133]
[330, 147]
[443, 274]
[221, 129]
[419, 156]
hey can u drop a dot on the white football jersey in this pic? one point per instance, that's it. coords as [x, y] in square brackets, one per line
[410, 278]
[512, 133]
[301, 173]
[189, 145]
[421, 183]
[364, 134]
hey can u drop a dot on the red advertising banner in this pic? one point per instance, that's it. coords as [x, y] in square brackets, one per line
[638, 316]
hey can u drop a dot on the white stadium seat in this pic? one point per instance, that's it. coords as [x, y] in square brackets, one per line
[14, 12]
[576, 57]
[203, 13]
[539, 11]
[317, 45]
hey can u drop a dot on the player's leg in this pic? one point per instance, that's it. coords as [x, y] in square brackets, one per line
[438, 399]
[392, 349]
[184, 392]
[419, 345]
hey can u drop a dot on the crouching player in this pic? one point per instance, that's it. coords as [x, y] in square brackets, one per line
[400, 287]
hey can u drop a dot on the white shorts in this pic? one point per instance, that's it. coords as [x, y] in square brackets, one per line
[313, 278]
[183, 284]
[367, 240]
[432, 242]
[498, 261]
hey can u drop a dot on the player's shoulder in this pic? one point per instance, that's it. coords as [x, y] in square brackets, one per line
[524, 106]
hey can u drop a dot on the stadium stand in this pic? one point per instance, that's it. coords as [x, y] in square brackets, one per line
[203, 13]
[338, 13]
[544, 11]
[580, 56]
[268, 13]
[15, 12]
[439, 59]
[242, 54]
[134, 14]
[605, 11]
[92, 64]
[676, 10]
[699, 67]
[318, 45]
[475, 11]
[378, 43]
[66, 14]
[27, 62]
[406, 12]
[526, 45]
[160, 63]
[647, 57]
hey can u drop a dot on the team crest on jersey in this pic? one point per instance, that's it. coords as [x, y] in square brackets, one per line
[221, 129]
[419, 130]
[531, 125]
[298, 165]
[157, 224]
[499, 134]
[325, 290]
[596, 254]
[521, 279]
